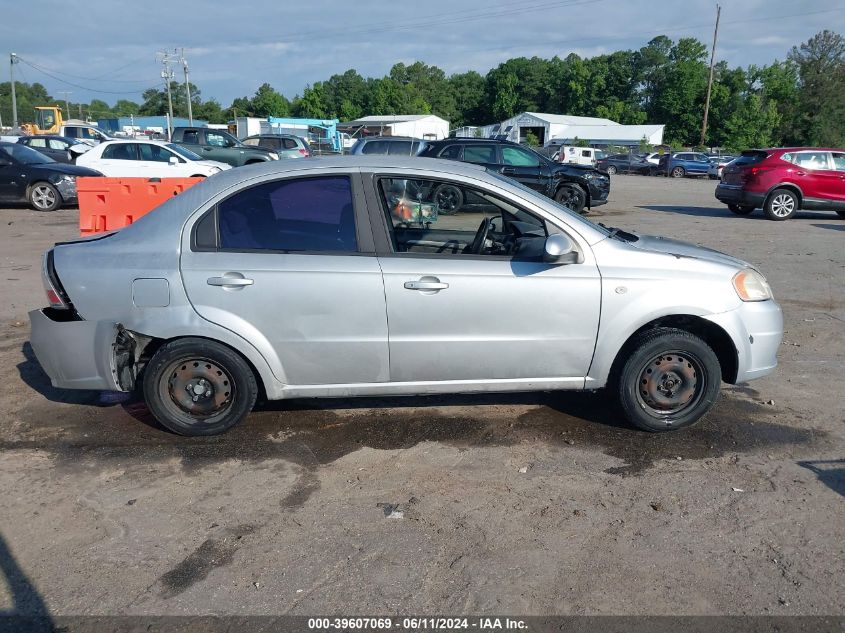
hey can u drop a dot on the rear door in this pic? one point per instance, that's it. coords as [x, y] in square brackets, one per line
[837, 185]
[288, 265]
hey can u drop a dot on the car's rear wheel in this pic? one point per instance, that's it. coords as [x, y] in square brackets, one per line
[611, 169]
[448, 199]
[44, 197]
[781, 204]
[670, 379]
[572, 197]
[741, 209]
[678, 172]
[195, 386]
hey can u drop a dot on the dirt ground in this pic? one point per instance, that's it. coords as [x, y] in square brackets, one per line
[518, 504]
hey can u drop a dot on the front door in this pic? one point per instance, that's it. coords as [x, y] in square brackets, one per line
[469, 297]
[523, 166]
[290, 272]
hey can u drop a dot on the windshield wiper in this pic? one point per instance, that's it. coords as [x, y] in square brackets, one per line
[619, 234]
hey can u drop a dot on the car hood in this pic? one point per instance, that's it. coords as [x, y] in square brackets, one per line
[65, 168]
[685, 249]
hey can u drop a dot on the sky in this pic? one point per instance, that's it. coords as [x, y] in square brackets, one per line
[107, 50]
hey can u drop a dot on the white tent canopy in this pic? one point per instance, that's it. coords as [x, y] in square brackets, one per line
[593, 130]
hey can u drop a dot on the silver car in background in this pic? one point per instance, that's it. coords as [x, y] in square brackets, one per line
[340, 277]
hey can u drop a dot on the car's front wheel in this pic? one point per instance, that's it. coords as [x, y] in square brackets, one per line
[572, 197]
[195, 386]
[678, 172]
[782, 204]
[44, 197]
[740, 209]
[611, 169]
[669, 380]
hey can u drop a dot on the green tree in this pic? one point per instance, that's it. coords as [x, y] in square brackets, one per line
[268, 102]
[505, 97]
[821, 119]
[311, 105]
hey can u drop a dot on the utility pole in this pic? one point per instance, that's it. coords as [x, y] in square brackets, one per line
[13, 59]
[710, 81]
[167, 75]
[66, 93]
[187, 89]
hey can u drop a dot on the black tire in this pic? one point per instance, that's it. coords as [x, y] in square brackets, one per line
[448, 199]
[678, 172]
[181, 368]
[781, 204]
[42, 196]
[669, 380]
[571, 196]
[198, 176]
[840, 213]
[611, 169]
[741, 209]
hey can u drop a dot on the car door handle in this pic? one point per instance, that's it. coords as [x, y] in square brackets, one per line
[800, 173]
[425, 284]
[230, 280]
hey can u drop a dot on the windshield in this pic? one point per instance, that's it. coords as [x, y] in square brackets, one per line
[25, 155]
[565, 210]
[184, 153]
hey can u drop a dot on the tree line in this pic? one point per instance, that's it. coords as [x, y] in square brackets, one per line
[796, 101]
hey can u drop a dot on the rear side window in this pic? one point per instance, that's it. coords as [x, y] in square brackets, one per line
[480, 154]
[750, 157]
[288, 143]
[375, 147]
[402, 148]
[191, 136]
[811, 160]
[303, 214]
[452, 152]
[121, 151]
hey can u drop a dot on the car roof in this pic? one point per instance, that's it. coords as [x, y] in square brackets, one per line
[390, 138]
[272, 136]
[467, 139]
[122, 141]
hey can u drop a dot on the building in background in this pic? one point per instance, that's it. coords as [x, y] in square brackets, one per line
[140, 124]
[427, 126]
[595, 132]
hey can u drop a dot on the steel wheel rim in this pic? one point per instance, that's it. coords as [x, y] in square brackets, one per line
[198, 387]
[677, 172]
[611, 170]
[783, 205]
[43, 197]
[447, 199]
[670, 383]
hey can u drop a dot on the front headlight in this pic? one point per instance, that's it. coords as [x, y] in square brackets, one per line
[274, 156]
[751, 285]
[67, 178]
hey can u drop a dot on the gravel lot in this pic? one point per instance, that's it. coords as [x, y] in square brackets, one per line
[101, 512]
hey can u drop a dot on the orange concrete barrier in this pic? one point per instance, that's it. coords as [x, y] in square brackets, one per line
[107, 204]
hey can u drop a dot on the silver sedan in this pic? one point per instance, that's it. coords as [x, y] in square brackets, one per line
[342, 277]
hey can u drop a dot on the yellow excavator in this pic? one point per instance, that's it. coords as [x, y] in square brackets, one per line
[48, 120]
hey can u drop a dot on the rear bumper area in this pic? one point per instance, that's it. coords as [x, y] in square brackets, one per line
[734, 194]
[756, 328]
[74, 354]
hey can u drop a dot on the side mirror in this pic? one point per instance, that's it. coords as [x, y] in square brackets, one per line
[559, 249]
[173, 160]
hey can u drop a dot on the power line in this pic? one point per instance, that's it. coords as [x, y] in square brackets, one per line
[81, 87]
[66, 74]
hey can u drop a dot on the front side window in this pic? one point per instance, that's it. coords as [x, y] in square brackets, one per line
[37, 142]
[251, 142]
[519, 157]
[303, 214]
[375, 147]
[838, 160]
[450, 219]
[453, 152]
[218, 140]
[154, 153]
[57, 144]
[191, 136]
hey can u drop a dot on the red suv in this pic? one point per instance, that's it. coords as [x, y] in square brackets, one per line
[784, 180]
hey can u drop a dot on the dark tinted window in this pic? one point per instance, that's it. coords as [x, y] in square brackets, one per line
[306, 214]
[121, 151]
[155, 153]
[288, 143]
[480, 154]
[190, 136]
[375, 147]
[402, 148]
[452, 151]
[750, 157]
